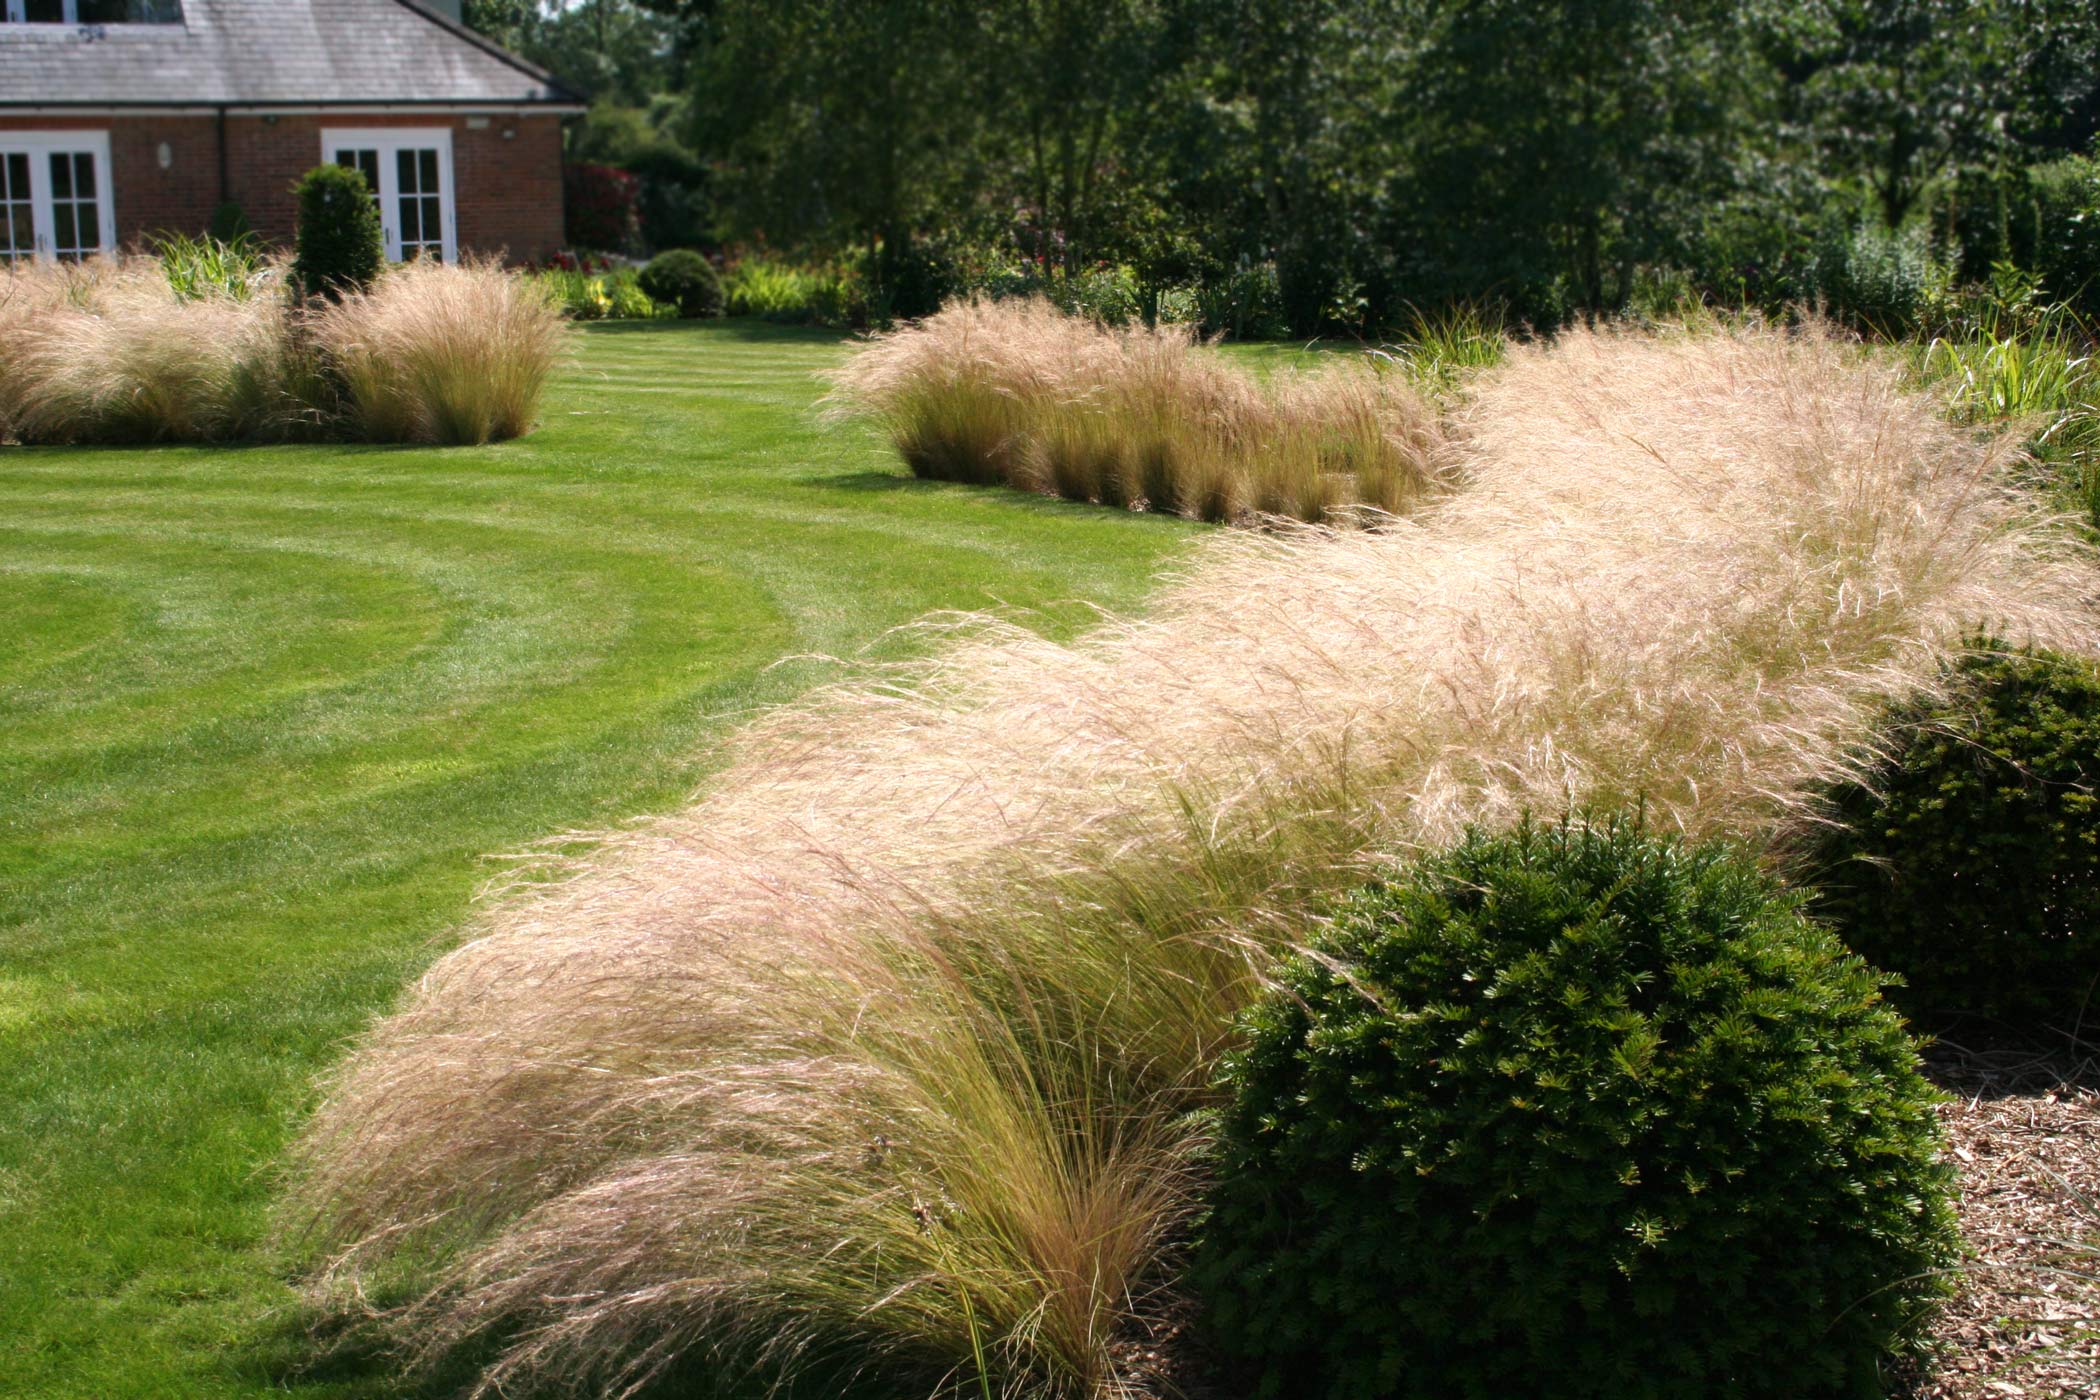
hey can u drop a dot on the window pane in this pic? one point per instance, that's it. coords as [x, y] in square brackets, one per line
[411, 223]
[430, 171]
[130, 12]
[63, 218]
[21, 229]
[62, 177]
[365, 163]
[45, 12]
[90, 225]
[405, 170]
[84, 174]
[433, 220]
[14, 177]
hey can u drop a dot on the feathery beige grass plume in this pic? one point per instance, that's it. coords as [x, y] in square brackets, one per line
[443, 352]
[1019, 393]
[106, 351]
[881, 1054]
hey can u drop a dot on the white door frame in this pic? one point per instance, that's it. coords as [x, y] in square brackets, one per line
[40, 147]
[388, 140]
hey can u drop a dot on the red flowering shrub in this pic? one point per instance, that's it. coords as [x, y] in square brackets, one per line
[570, 260]
[599, 203]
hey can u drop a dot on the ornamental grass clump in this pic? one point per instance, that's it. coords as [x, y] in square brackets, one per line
[1575, 1112]
[1019, 393]
[151, 349]
[111, 351]
[442, 352]
[882, 1056]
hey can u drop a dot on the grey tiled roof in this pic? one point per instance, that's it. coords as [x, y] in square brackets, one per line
[268, 52]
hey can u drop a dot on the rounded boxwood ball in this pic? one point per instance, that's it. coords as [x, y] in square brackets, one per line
[1574, 1112]
[684, 279]
[1968, 858]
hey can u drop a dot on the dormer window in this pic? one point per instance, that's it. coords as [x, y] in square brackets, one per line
[91, 11]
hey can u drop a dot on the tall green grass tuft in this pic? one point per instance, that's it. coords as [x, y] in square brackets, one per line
[778, 290]
[1446, 346]
[2030, 369]
[584, 295]
[1021, 394]
[889, 1051]
[197, 268]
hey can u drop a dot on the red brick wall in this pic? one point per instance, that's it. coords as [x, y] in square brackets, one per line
[516, 181]
[509, 187]
[149, 198]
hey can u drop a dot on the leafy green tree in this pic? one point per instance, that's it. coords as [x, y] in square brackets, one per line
[1553, 147]
[616, 50]
[677, 207]
[1310, 78]
[2058, 83]
[841, 123]
[1080, 79]
[1895, 93]
[1358, 155]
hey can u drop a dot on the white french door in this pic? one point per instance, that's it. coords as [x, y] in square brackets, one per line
[55, 195]
[410, 172]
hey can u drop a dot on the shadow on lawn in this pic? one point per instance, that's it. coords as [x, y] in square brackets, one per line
[883, 481]
[1040, 501]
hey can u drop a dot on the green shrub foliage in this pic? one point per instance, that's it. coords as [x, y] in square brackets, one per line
[2043, 218]
[1968, 860]
[1877, 280]
[341, 246]
[229, 223]
[686, 280]
[1574, 1112]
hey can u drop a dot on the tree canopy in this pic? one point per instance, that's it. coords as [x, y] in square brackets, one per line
[1371, 151]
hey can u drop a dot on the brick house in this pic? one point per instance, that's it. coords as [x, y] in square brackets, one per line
[120, 118]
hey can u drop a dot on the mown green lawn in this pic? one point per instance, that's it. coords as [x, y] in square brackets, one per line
[266, 714]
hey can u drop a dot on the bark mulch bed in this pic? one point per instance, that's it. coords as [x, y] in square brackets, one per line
[2023, 1129]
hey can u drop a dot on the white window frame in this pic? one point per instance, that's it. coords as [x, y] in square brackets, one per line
[41, 145]
[388, 140]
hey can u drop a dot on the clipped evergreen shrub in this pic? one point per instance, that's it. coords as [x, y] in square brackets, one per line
[1574, 1112]
[229, 223]
[1968, 859]
[340, 246]
[684, 279]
